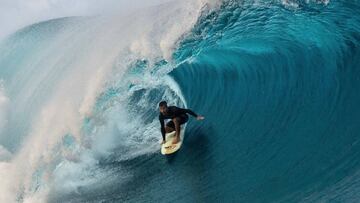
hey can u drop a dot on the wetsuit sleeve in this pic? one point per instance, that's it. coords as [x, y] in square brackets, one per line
[183, 111]
[161, 119]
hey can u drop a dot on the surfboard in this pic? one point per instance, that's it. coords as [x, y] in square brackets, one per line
[168, 147]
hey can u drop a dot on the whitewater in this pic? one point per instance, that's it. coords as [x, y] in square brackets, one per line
[276, 81]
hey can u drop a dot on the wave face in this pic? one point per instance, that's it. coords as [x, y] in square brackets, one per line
[276, 81]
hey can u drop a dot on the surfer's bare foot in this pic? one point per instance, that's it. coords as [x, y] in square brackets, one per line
[176, 140]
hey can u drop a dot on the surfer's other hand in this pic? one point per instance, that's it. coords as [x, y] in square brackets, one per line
[200, 118]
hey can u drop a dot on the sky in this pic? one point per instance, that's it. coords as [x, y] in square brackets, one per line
[15, 14]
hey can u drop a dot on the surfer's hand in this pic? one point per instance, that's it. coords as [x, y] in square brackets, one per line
[200, 118]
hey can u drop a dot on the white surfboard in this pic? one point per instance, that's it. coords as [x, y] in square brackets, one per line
[168, 147]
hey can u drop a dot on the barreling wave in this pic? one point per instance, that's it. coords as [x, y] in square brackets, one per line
[275, 80]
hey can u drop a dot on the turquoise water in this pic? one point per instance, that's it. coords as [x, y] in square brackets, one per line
[276, 82]
[279, 89]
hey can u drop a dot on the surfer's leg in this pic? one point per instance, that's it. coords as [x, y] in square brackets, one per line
[177, 121]
[183, 119]
[170, 126]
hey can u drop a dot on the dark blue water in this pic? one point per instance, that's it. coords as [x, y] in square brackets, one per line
[279, 90]
[278, 86]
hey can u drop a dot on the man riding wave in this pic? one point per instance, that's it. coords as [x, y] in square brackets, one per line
[178, 117]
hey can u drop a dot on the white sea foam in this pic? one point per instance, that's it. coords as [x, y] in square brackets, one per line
[5, 155]
[4, 105]
[66, 78]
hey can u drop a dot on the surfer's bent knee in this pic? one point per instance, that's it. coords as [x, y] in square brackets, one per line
[176, 119]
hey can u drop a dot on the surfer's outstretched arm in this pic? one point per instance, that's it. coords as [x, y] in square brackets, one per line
[198, 117]
[191, 112]
[183, 111]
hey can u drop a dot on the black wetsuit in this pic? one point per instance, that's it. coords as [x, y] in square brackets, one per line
[173, 112]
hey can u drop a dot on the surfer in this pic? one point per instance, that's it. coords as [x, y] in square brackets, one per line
[178, 117]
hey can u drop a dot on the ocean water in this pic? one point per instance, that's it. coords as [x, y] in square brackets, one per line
[277, 82]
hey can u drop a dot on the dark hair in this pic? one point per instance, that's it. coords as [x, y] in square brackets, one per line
[162, 103]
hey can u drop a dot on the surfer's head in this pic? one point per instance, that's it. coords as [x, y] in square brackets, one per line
[163, 107]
